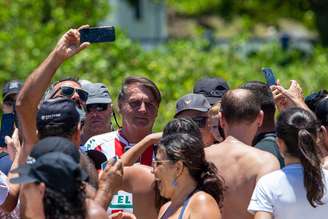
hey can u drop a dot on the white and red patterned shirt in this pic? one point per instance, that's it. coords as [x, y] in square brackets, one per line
[111, 144]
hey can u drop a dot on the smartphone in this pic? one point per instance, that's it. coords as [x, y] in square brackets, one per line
[97, 34]
[112, 161]
[269, 76]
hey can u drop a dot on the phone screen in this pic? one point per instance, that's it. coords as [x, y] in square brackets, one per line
[97, 34]
[112, 161]
[269, 76]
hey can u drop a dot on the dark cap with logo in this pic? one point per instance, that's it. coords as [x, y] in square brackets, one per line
[57, 170]
[212, 88]
[191, 101]
[60, 112]
[11, 87]
[55, 144]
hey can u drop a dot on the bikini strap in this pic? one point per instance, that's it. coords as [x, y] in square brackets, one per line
[185, 203]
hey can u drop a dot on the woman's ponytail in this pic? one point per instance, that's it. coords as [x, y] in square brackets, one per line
[313, 177]
[211, 183]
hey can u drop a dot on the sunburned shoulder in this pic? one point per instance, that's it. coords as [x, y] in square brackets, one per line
[264, 162]
[203, 205]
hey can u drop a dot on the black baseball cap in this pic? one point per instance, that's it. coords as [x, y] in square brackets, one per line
[11, 87]
[314, 98]
[192, 101]
[57, 170]
[60, 112]
[212, 88]
[55, 144]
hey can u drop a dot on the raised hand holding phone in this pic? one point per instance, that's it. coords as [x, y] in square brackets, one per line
[110, 181]
[70, 44]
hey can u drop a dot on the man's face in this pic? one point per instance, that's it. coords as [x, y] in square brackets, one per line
[98, 118]
[139, 108]
[201, 119]
[75, 96]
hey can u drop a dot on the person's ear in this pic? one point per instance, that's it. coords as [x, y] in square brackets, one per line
[179, 168]
[42, 189]
[221, 120]
[259, 119]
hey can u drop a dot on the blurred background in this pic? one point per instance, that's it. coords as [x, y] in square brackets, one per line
[173, 42]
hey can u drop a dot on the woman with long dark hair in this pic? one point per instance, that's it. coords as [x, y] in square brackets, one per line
[187, 179]
[299, 190]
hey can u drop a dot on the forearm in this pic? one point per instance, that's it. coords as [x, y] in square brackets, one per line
[37, 83]
[12, 198]
[133, 154]
[31, 94]
[104, 197]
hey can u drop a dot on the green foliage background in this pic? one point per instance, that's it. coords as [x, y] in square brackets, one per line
[30, 30]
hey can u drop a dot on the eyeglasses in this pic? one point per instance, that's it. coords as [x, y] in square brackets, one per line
[156, 163]
[98, 107]
[200, 121]
[69, 91]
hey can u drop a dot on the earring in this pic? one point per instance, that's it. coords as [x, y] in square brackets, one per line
[174, 183]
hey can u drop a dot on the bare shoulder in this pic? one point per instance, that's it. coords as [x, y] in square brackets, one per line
[265, 162]
[138, 170]
[203, 205]
[138, 179]
[95, 211]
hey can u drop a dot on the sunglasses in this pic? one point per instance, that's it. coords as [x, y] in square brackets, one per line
[98, 107]
[69, 91]
[200, 121]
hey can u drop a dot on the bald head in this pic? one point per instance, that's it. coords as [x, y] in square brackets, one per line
[240, 105]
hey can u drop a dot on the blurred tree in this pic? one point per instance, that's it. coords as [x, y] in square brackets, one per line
[29, 28]
[313, 13]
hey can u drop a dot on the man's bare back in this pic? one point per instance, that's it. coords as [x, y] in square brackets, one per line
[241, 166]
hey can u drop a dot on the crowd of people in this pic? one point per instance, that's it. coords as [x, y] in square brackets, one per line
[223, 155]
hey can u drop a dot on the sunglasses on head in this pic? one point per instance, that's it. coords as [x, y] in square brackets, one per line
[69, 92]
[99, 107]
[200, 121]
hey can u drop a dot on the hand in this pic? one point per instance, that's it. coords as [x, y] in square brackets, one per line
[122, 215]
[111, 178]
[69, 44]
[13, 144]
[154, 138]
[293, 97]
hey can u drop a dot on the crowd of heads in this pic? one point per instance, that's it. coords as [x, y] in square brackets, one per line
[61, 170]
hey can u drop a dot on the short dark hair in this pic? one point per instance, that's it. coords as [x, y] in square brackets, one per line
[240, 105]
[264, 94]
[182, 125]
[142, 81]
